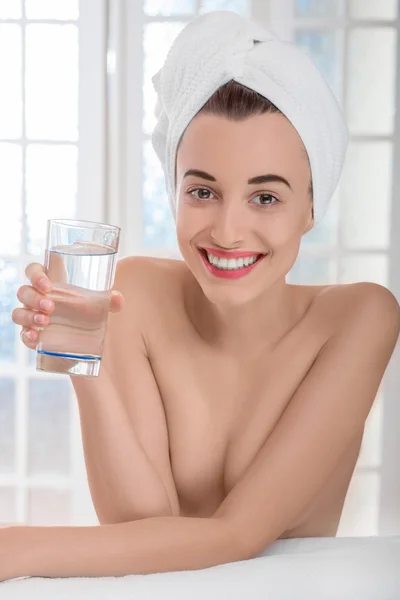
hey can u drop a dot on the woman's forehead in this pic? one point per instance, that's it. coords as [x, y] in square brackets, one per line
[258, 142]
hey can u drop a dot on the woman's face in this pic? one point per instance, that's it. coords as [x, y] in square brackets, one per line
[230, 212]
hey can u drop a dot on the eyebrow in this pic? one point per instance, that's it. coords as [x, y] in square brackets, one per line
[271, 177]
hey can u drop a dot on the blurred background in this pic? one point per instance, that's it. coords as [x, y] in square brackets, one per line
[76, 114]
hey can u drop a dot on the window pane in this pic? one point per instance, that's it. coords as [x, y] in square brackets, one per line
[242, 7]
[7, 426]
[10, 9]
[360, 511]
[49, 507]
[364, 268]
[312, 270]
[8, 505]
[317, 8]
[169, 7]
[51, 182]
[9, 283]
[159, 226]
[157, 40]
[323, 47]
[10, 81]
[49, 427]
[10, 196]
[373, 9]
[371, 80]
[52, 9]
[52, 82]
[366, 195]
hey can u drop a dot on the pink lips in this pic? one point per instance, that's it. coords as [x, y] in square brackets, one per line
[233, 274]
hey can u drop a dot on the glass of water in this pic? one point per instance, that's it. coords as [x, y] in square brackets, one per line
[80, 261]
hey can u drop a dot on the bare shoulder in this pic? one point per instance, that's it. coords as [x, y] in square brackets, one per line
[341, 302]
[377, 312]
[359, 291]
[378, 295]
[150, 269]
[362, 315]
[147, 276]
[151, 285]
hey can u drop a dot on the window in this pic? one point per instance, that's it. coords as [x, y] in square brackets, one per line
[51, 129]
[355, 43]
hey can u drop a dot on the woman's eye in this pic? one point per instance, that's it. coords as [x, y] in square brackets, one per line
[202, 191]
[268, 197]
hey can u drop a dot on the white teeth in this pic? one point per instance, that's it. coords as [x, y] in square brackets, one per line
[231, 263]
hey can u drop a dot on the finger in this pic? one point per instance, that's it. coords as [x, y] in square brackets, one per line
[36, 273]
[117, 301]
[29, 337]
[29, 318]
[33, 299]
[58, 269]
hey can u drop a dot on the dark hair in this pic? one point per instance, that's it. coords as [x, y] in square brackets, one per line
[236, 101]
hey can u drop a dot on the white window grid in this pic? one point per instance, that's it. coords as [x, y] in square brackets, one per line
[91, 25]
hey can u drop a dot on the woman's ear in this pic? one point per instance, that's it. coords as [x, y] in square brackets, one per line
[310, 222]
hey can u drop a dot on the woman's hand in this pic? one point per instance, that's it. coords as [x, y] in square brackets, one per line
[33, 315]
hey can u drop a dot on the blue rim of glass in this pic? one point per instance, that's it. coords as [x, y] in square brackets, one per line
[66, 355]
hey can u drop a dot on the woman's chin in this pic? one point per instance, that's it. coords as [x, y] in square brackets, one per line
[225, 296]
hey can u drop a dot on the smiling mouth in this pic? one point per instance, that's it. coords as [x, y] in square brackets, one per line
[235, 270]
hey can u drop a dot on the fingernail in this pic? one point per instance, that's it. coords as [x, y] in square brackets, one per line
[46, 304]
[30, 335]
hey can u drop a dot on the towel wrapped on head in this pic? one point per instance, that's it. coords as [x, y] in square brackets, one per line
[221, 46]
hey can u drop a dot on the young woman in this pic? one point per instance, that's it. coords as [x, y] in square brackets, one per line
[230, 406]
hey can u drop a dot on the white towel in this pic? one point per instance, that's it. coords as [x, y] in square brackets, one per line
[359, 568]
[220, 46]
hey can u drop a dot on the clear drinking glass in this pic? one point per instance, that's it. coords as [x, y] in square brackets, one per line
[80, 261]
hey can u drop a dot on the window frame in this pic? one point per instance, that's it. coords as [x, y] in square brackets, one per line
[91, 195]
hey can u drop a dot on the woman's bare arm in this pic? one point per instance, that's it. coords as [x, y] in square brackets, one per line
[124, 431]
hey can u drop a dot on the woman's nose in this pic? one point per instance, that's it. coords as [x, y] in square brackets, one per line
[228, 225]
